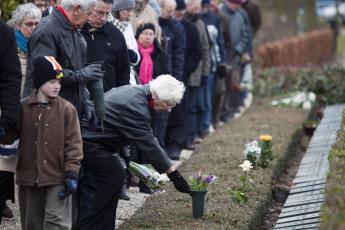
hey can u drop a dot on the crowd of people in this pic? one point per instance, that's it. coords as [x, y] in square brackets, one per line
[171, 71]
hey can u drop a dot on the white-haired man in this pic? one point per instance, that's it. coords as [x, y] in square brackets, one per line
[127, 121]
[58, 36]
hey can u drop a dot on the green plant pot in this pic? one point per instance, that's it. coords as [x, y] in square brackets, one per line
[198, 198]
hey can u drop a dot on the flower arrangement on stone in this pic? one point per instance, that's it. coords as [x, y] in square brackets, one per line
[240, 194]
[298, 99]
[252, 152]
[266, 150]
[200, 182]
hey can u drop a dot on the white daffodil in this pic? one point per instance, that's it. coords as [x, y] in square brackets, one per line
[311, 96]
[306, 105]
[246, 166]
[274, 103]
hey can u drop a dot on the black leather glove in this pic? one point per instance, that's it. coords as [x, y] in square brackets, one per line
[89, 109]
[125, 153]
[71, 185]
[179, 182]
[133, 56]
[204, 80]
[90, 73]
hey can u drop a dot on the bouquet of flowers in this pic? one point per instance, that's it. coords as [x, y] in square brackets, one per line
[252, 152]
[201, 181]
[148, 175]
[298, 99]
[240, 194]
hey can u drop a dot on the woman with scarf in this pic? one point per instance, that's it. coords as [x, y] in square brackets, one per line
[25, 19]
[154, 62]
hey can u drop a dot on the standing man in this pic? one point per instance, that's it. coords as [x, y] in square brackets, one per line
[174, 41]
[58, 36]
[254, 15]
[240, 34]
[10, 81]
[198, 79]
[106, 43]
[127, 121]
[192, 59]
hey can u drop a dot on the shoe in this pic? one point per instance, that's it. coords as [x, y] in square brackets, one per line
[123, 195]
[7, 212]
[197, 140]
[174, 154]
[144, 189]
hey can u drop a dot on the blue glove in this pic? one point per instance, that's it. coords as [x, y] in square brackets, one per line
[71, 185]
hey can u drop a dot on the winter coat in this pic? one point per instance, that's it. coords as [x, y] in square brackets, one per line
[160, 61]
[205, 63]
[240, 33]
[225, 24]
[127, 121]
[193, 49]
[10, 79]
[49, 142]
[174, 37]
[23, 58]
[108, 44]
[218, 53]
[56, 37]
[254, 15]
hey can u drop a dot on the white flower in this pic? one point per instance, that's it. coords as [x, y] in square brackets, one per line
[286, 101]
[246, 165]
[311, 97]
[274, 103]
[306, 105]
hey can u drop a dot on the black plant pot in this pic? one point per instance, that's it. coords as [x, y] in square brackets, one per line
[198, 199]
[309, 130]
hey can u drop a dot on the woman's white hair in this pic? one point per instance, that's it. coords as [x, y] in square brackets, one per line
[28, 10]
[84, 4]
[167, 88]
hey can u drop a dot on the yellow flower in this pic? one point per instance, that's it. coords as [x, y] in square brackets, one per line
[265, 138]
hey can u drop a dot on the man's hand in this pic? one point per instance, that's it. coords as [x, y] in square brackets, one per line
[71, 185]
[179, 182]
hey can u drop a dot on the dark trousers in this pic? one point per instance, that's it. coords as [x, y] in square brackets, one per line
[196, 109]
[176, 129]
[6, 189]
[100, 188]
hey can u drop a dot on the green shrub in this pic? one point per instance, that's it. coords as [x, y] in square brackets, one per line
[327, 83]
[7, 6]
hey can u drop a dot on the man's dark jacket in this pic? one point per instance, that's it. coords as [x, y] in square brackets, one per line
[10, 77]
[254, 15]
[127, 121]
[175, 43]
[56, 37]
[193, 49]
[108, 44]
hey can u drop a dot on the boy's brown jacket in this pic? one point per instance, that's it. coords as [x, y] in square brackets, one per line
[50, 142]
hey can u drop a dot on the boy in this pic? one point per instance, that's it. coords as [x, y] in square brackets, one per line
[49, 151]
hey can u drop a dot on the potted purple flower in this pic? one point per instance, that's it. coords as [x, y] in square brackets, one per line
[199, 184]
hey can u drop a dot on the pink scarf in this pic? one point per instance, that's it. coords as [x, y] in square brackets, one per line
[146, 66]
